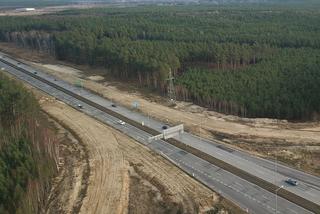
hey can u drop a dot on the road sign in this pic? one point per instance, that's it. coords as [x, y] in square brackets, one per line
[173, 131]
[168, 133]
[79, 83]
[135, 104]
[153, 138]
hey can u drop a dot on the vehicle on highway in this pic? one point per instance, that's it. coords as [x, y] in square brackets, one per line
[113, 105]
[2, 69]
[164, 127]
[291, 182]
[121, 122]
[79, 106]
[35, 72]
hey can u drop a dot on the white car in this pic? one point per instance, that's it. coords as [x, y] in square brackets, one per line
[2, 69]
[79, 105]
[121, 122]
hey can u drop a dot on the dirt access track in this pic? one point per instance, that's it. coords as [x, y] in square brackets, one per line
[125, 177]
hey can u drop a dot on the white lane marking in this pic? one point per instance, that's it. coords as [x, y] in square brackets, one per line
[245, 194]
[240, 185]
[291, 210]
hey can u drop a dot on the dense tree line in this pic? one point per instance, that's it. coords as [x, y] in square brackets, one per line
[26, 161]
[146, 43]
[289, 88]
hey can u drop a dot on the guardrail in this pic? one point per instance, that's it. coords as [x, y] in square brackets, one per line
[309, 205]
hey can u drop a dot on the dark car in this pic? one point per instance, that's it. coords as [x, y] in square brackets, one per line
[113, 105]
[164, 127]
[292, 182]
[35, 72]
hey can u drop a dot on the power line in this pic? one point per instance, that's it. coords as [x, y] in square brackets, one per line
[171, 89]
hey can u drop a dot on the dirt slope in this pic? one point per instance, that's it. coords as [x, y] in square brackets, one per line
[67, 188]
[108, 181]
[126, 177]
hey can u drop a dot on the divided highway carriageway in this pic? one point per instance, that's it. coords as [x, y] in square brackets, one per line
[248, 181]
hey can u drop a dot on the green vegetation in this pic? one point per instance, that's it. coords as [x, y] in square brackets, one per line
[257, 62]
[288, 88]
[16, 164]
[16, 168]
[24, 158]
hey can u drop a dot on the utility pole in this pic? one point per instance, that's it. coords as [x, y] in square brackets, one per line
[200, 127]
[171, 89]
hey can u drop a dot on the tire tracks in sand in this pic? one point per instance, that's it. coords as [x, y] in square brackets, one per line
[126, 177]
[108, 180]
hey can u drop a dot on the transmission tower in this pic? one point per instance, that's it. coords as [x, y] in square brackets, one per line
[171, 89]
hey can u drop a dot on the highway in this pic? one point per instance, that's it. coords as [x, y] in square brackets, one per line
[243, 193]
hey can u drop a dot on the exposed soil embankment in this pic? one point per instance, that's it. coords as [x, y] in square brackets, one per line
[70, 185]
[126, 177]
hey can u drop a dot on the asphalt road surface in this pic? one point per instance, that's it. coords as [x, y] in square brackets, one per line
[247, 195]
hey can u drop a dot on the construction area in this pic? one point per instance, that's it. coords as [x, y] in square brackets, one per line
[120, 174]
[124, 177]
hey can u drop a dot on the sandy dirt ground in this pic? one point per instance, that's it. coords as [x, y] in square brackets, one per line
[297, 144]
[124, 176]
[68, 188]
[108, 181]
